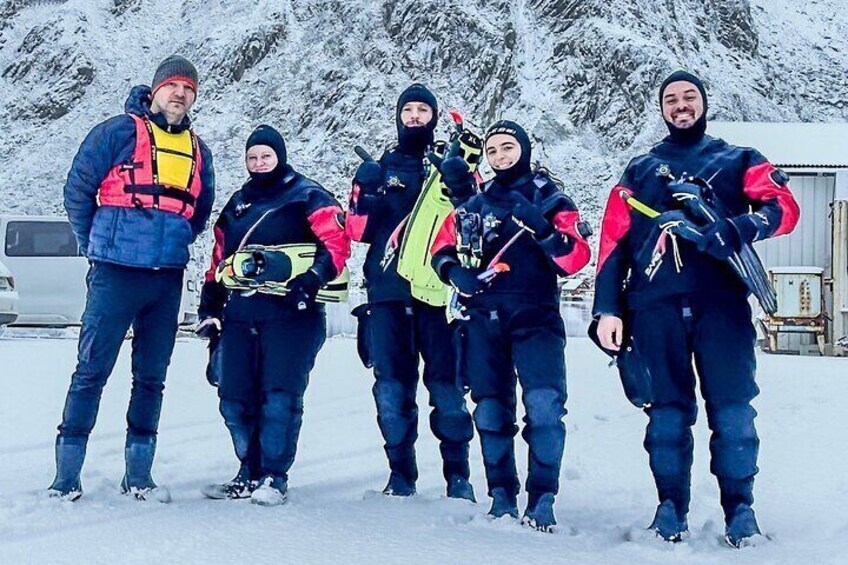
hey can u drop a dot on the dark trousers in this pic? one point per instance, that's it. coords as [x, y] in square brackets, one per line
[398, 334]
[719, 337]
[524, 343]
[120, 297]
[264, 372]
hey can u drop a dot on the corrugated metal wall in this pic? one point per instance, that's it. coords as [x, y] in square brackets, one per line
[810, 244]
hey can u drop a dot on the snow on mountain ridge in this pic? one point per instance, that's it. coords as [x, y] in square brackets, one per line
[581, 75]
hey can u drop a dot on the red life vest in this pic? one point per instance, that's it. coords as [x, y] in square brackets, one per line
[163, 175]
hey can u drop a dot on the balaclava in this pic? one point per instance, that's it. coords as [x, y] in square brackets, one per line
[522, 167]
[415, 140]
[266, 135]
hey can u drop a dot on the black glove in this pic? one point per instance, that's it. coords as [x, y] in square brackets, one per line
[530, 216]
[457, 177]
[303, 289]
[750, 227]
[678, 223]
[208, 328]
[465, 280]
[721, 240]
[369, 177]
[213, 367]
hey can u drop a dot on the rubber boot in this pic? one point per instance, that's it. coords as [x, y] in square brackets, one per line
[241, 486]
[70, 455]
[540, 512]
[741, 525]
[668, 522]
[399, 485]
[504, 503]
[137, 481]
[460, 487]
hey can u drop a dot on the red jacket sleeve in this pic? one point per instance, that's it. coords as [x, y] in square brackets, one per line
[213, 295]
[576, 253]
[443, 249]
[357, 218]
[612, 262]
[766, 188]
[328, 225]
[217, 254]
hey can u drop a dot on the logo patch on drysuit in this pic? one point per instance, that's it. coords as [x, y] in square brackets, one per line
[241, 209]
[663, 170]
[490, 222]
[394, 182]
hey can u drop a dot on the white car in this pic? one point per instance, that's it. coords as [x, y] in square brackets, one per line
[8, 297]
[50, 272]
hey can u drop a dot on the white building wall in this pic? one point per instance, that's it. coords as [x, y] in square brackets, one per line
[809, 245]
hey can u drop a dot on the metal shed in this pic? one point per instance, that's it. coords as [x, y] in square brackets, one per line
[816, 158]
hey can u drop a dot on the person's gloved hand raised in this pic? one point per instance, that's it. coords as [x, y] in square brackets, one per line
[369, 177]
[455, 176]
[455, 172]
[530, 216]
[303, 290]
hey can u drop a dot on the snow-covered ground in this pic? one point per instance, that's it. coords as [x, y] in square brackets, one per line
[333, 514]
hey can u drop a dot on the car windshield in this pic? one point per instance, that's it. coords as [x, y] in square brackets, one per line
[34, 238]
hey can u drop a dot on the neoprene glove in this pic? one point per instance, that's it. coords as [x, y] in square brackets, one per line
[530, 216]
[721, 240]
[465, 280]
[303, 289]
[457, 177]
[208, 328]
[369, 176]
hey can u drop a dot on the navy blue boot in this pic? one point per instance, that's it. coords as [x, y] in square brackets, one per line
[70, 454]
[741, 526]
[669, 524]
[137, 481]
[504, 503]
[460, 487]
[404, 471]
[399, 485]
[241, 486]
[540, 512]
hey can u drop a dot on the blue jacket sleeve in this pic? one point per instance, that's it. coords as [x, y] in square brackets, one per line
[105, 146]
[203, 209]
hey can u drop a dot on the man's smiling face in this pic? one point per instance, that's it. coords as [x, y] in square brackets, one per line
[682, 104]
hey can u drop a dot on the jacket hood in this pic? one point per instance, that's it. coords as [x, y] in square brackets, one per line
[138, 103]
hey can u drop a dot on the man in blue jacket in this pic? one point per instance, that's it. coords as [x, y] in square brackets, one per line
[139, 192]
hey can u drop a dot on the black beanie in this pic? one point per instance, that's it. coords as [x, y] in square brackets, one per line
[415, 140]
[522, 167]
[174, 67]
[696, 132]
[266, 135]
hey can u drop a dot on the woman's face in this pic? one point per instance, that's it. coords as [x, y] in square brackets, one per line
[502, 151]
[260, 159]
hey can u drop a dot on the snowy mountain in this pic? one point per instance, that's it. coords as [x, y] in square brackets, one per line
[580, 74]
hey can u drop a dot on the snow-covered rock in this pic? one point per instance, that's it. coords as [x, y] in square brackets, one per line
[580, 74]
